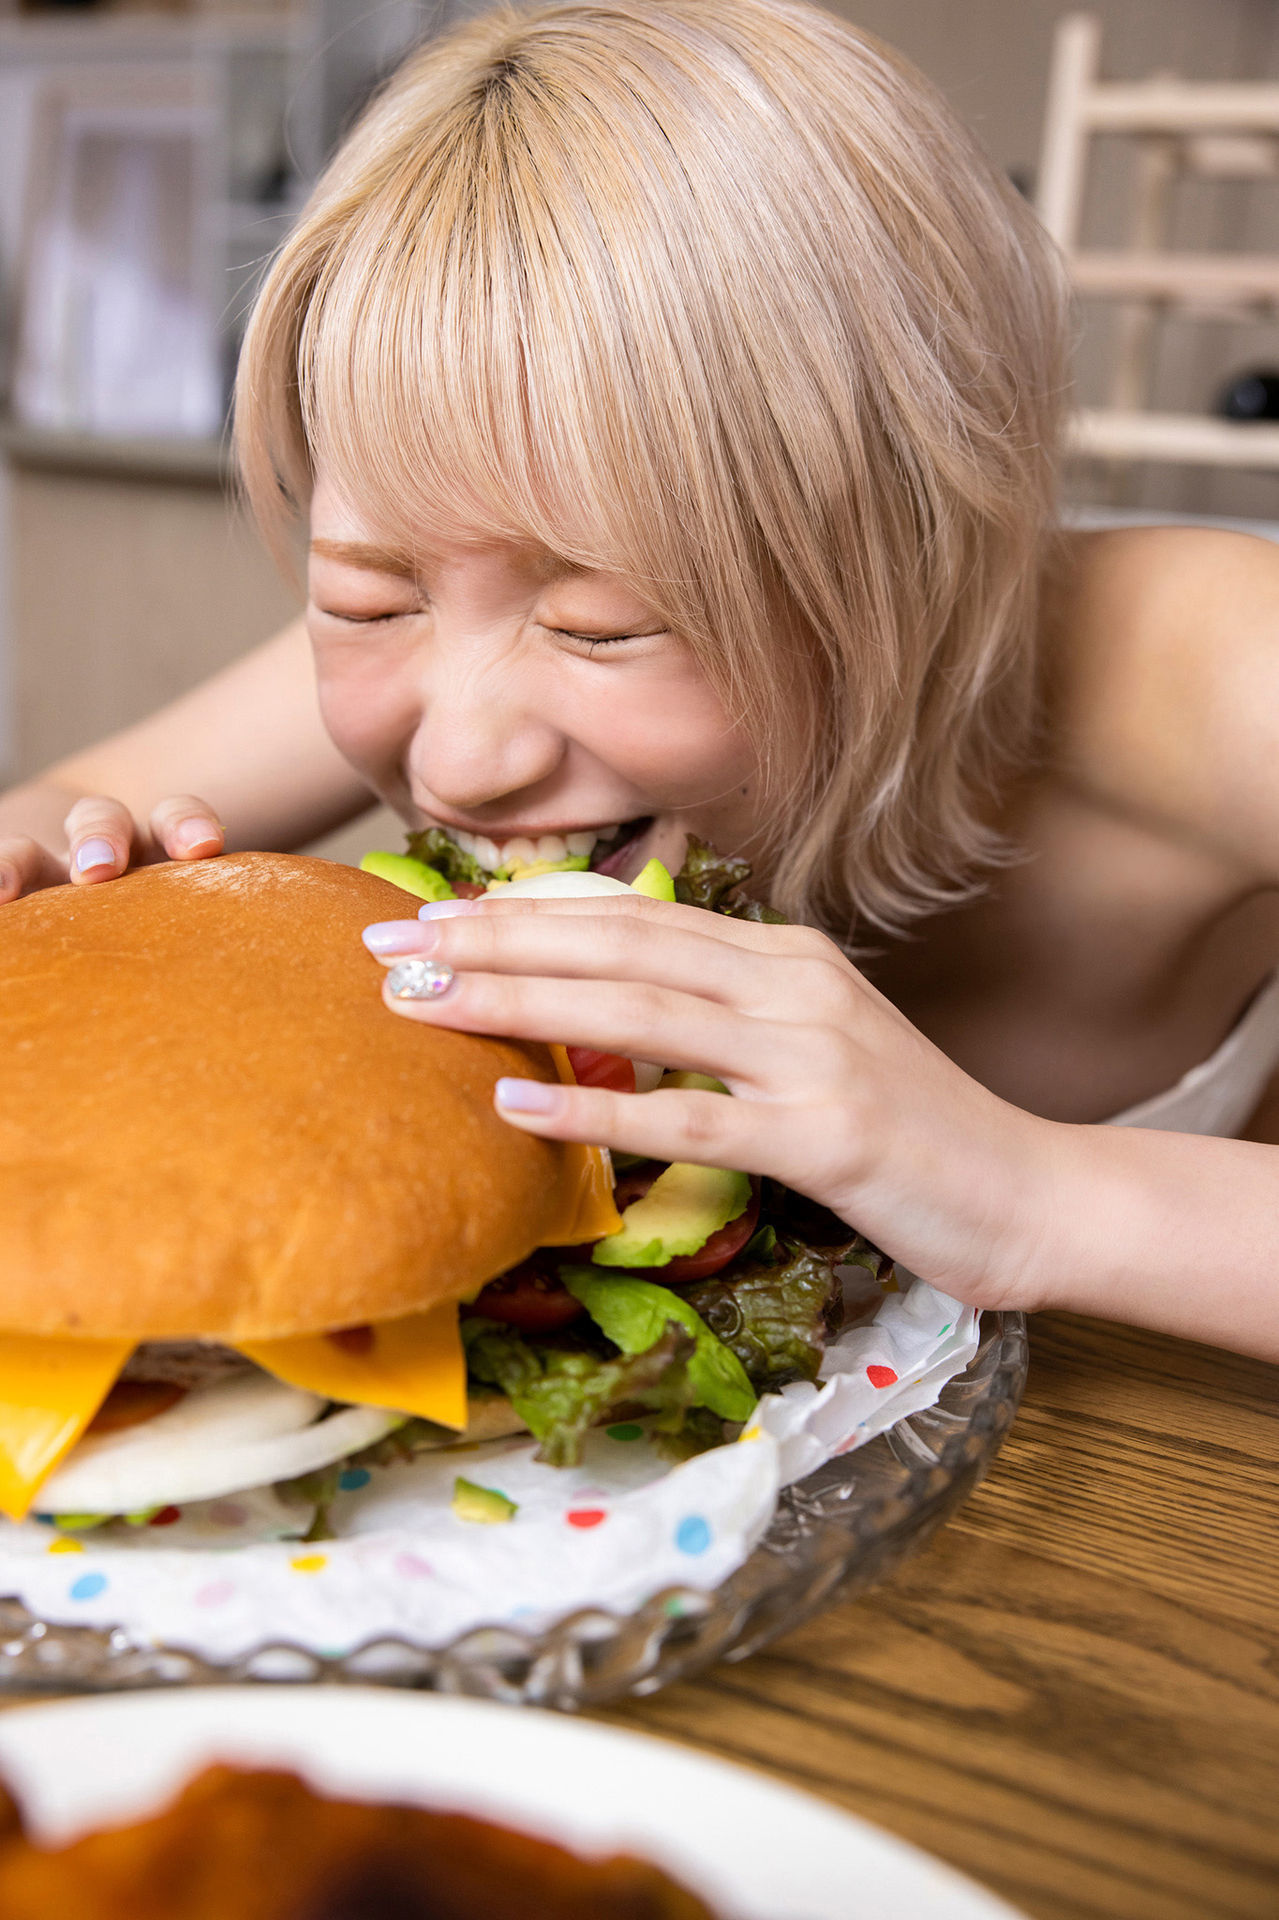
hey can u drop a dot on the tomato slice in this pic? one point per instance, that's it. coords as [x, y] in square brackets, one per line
[130, 1402]
[594, 1069]
[356, 1341]
[717, 1252]
[527, 1299]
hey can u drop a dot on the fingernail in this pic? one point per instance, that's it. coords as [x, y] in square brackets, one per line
[94, 853]
[528, 1096]
[444, 909]
[195, 833]
[398, 936]
[8, 880]
[418, 980]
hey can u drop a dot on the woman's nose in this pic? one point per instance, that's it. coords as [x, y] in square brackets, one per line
[471, 751]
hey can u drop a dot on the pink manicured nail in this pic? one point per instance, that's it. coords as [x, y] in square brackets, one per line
[398, 936]
[528, 1096]
[94, 853]
[195, 833]
[444, 909]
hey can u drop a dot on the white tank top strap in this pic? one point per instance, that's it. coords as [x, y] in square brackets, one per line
[1218, 1096]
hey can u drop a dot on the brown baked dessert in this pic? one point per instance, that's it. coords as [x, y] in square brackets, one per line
[240, 1845]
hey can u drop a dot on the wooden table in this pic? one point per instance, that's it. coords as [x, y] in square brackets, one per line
[1073, 1692]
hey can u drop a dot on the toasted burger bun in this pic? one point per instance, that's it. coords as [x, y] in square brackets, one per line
[211, 1128]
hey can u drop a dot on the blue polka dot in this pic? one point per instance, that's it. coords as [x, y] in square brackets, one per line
[88, 1586]
[353, 1478]
[693, 1535]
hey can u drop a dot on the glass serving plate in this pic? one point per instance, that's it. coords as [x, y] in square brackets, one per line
[835, 1533]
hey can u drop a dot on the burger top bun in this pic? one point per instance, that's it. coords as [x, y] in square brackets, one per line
[211, 1127]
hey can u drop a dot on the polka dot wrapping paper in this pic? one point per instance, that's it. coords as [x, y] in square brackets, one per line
[226, 1576]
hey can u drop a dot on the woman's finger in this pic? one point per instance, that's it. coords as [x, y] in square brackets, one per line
[635, 1018]
[601, 947]
[100, 833]
[704, 1128]
[26, 866]
[753, 935]
[187, 828]
[776, 984]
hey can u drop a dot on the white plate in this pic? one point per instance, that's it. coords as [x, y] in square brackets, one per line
[753, 1849]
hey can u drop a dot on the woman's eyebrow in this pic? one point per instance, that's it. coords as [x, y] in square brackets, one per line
[359, 553]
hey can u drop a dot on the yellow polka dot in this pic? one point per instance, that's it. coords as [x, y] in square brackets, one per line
[310, 1563]
[66, 1546]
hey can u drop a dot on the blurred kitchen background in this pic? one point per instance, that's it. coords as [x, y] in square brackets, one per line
[152, 157]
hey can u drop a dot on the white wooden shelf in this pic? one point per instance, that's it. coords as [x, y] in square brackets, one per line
[1184, 438]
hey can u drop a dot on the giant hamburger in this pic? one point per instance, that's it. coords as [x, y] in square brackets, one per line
[253, 1229]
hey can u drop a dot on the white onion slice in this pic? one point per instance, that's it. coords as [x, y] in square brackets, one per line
[558, 886]
[228, 1437]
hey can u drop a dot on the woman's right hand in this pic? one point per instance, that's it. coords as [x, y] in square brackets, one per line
[104, 839]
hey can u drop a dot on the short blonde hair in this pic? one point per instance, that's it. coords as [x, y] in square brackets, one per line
[718, 296]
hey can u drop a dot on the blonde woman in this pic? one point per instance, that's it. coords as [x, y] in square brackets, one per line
[672, 390]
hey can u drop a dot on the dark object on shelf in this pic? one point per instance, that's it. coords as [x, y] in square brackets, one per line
[1253, 395]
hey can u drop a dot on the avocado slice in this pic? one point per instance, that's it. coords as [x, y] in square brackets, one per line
[402, 870]
[655, 881]
[681, 1210]
[680, 1077]
[484, 1504]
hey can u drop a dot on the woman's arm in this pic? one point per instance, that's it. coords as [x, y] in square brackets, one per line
[250, 743]
[1165, 1230]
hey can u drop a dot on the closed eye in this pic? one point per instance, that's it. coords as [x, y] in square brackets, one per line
[362, 619]
[607, 639]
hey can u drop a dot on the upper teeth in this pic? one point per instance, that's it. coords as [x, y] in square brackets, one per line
[522, 851]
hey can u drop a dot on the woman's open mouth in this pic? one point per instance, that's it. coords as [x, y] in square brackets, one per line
[601, 849]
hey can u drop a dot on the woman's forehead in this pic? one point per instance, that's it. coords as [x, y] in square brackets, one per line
[340, 532]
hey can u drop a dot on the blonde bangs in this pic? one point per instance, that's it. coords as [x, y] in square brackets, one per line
[713, 295]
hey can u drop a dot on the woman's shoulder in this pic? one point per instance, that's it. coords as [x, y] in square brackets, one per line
[1162, 677]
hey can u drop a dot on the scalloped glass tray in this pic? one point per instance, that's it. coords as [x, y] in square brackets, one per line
[836, 1533]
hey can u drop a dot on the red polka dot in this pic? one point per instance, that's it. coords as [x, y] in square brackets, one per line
[412, 1567]
[165, 1517]
[881, 1376]
[586, 1516]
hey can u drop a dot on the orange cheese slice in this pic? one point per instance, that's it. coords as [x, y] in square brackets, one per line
[414, 1365]
[50, 1390]
[588, 1210]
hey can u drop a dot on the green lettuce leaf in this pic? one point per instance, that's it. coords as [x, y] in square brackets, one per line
[776, 1314]
[435, 849]
[634, 1314]
[561, 1392]
[711, 880]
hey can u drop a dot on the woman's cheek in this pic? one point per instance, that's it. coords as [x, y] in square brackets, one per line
[369, 719]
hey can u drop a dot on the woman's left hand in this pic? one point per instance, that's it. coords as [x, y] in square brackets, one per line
[835, 1093]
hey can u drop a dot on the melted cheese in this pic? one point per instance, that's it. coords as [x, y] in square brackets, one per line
[50, 1390]
[588, 1210]
[414, 1365]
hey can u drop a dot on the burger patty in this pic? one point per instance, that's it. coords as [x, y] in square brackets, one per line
[184, 1363]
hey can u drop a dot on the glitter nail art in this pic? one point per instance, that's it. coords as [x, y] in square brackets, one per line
[418, 980]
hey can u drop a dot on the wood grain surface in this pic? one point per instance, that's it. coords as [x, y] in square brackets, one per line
[1073, 1692]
